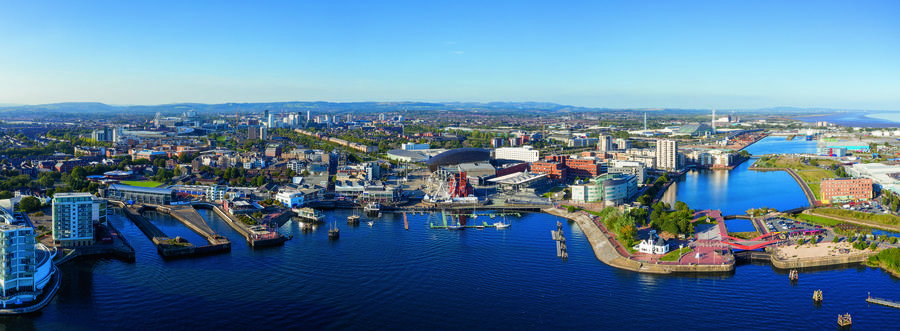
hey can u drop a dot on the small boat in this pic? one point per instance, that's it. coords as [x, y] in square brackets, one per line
[334, 232]
[373, 208]
[455, 227]
[844, 320]
[310, 214]
[371, 223]
[817, 296]
[502, 224]
[353, 219]
[793, 276]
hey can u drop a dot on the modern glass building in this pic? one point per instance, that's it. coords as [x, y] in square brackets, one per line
[25, 267]
[74, 215]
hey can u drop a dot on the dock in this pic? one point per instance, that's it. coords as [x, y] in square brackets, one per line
[884, 302]
[170, 247]
[272, 238]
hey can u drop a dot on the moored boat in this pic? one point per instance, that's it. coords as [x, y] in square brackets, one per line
[310, 214]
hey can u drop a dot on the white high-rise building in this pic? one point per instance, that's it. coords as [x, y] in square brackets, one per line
[28, 266]
[667, 154]
[604, 144]
[271, 120]
[73, 218]
[525, 154]
[308, 116]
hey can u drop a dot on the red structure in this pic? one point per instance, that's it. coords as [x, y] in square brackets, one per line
[460, 187]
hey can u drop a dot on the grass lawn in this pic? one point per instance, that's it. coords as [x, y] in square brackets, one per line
[815, 176]
[744, 235]
[674, 255]
[142, 183]
[818, 220]
[860, 216]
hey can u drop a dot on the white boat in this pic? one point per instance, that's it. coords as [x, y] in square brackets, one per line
[371, 223]
[373, 208]
[501, 225]
[310, 214]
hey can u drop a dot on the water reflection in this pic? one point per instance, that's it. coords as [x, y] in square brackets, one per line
[736, 190]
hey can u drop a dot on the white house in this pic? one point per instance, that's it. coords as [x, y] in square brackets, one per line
[653, 244]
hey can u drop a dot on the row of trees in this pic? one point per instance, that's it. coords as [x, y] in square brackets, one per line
[650, 193]
[890, 199]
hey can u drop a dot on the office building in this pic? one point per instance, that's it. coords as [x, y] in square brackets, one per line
[839, 190]
[524, 154]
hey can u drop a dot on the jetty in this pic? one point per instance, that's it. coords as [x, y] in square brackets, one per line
[560, 237]
[255, 236]
[883, 302]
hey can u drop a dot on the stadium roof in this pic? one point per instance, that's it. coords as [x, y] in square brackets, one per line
[457, 156]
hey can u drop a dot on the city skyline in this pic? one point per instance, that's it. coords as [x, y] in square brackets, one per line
[605, 55]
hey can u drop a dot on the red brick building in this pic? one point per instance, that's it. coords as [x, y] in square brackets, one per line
[583, 168]
[554, 170]
[836, 190]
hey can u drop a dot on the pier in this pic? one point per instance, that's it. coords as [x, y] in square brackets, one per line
[883, 302]
[560, 237]
[254, 239]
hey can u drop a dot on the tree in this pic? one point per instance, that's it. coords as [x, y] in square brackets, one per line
[6, 195]
[30, 204]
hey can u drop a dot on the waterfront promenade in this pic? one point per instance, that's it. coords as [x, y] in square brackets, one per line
[610, 251]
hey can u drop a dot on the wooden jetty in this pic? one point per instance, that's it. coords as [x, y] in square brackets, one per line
[883, 302]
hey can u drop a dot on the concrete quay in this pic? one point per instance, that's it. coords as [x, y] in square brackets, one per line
[253, 240]
[613, 254]
[166, 246]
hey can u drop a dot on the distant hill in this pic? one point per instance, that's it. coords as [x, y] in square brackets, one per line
[370, 107]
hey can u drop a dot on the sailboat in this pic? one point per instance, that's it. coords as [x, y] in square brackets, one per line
[334, 233]
[501, 224]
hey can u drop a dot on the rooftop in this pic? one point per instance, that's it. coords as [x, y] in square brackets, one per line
[517, 178]
[152, 190]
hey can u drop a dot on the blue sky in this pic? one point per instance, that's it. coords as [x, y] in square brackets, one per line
[692, 54]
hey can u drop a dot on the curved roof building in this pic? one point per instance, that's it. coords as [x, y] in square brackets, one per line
[457, 156]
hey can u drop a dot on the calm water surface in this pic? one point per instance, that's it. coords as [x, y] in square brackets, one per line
[385, 277]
